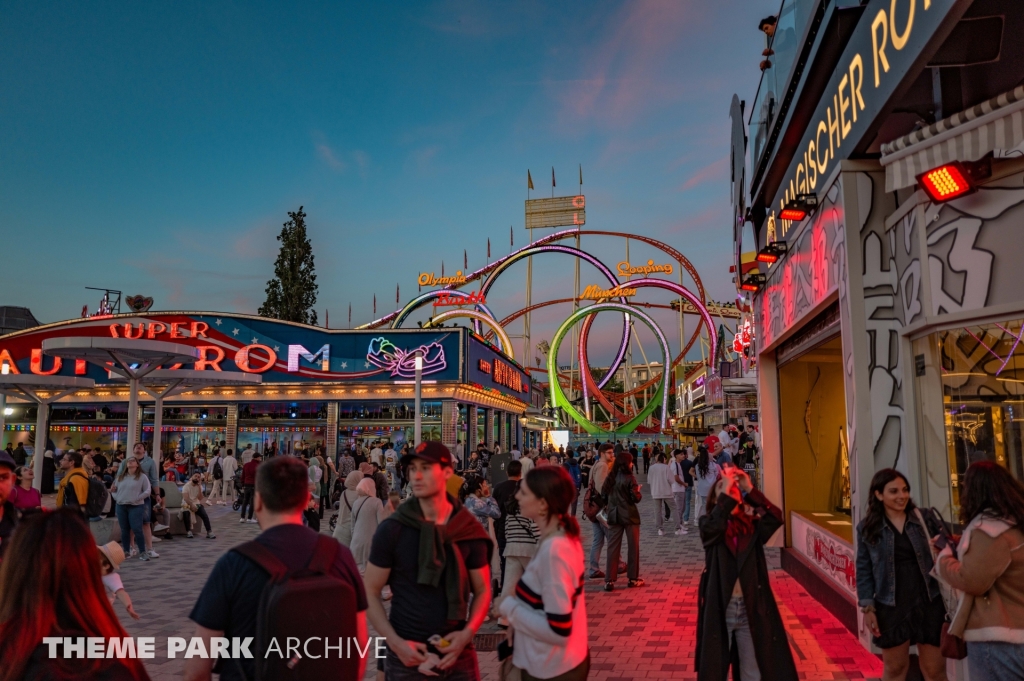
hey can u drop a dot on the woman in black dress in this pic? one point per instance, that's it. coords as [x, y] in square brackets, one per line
[900, 601]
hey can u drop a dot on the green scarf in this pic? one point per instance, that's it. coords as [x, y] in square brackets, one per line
[438, 551]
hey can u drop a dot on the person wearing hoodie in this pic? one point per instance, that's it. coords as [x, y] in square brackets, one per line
[988, 569]
[343, 530]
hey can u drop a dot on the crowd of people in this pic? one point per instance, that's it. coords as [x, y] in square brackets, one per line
[454, 540]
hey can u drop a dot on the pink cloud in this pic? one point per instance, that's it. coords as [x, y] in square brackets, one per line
[712, 171]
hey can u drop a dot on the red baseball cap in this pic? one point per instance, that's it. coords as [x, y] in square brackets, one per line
[434, 452]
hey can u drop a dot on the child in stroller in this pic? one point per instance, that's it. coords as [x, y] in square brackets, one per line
[237, 482]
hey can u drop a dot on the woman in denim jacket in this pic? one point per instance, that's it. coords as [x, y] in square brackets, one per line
[900, 601]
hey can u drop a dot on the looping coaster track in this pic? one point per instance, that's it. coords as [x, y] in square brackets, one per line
[589, 386]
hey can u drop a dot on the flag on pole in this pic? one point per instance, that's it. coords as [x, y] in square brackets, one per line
[552, 176]
[327, 320]
[581, 174]
[488, 249]
[442, 268]
[465, 261]
[350, 315]
[529, 180]
[511, 238]
[397, 297]
[374, 303]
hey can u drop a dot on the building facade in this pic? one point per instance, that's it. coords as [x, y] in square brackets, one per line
[328, 387]
[888, 326]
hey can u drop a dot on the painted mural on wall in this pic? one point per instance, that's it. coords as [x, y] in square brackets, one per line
[892, 283]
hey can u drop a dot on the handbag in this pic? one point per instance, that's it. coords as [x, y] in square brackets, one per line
[952, 647]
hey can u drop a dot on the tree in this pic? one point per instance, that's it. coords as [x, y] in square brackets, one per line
[291, 294]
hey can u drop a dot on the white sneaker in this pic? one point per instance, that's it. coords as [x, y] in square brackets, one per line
[252, 520]
[242, 520]
[190, 535]
[685, 531]
[661, 533]
[160, 528]
[220, 503]
[153, 554]
[209, 503]
[157, 539]
[681, 530]
[134, 552]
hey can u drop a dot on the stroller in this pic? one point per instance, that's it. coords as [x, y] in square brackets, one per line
[237, 482]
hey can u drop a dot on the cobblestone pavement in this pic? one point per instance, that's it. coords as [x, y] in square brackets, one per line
[634, 633]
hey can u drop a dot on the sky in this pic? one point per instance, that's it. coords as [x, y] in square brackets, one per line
[156, 148]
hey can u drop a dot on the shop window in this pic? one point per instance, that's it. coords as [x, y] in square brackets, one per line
[970, 387]
[815, 456]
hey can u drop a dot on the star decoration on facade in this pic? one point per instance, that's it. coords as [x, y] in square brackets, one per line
[366, 364]
[344, 365]
[235, 332]
[255, 340]
[277, 348]
[218, 322]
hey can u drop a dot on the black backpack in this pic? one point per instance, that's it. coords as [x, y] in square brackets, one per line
[306, 603]
[95, 500]
[218, 471]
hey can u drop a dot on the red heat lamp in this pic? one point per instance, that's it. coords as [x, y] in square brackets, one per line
[955, 179]
[797, 208]
[753, 282]
[771, 253]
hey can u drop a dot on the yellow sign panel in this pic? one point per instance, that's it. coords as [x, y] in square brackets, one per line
[562, 211]
[594, 292]
[626, 270]
[430, 279]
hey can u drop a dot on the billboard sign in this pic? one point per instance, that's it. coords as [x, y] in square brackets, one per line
[281, 352]
[488, 368]
[561, 211]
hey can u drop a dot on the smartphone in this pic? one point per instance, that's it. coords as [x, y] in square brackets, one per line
[942, 541]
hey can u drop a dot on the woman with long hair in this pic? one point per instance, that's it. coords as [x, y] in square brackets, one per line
[705, 474]
[130, 491]
[901, 602]
[622, 493]
[51, 586]
[735, 598]
[547, 613]
[988, 568]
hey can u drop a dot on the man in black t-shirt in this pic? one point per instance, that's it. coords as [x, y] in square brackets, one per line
[229, 602]
[430, 596]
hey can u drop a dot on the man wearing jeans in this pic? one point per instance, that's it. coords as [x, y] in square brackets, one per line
[597, 475]
[682, 487]
[249, 486]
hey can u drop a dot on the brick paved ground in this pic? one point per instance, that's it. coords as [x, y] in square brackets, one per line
[635, 633]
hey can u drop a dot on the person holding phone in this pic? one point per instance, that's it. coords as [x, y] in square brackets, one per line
[901, 602]
[739, 623]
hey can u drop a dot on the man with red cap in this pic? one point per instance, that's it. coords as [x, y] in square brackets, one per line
[432, 552]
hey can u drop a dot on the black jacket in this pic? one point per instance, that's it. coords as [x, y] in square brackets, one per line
[721, 570]
[622, 501]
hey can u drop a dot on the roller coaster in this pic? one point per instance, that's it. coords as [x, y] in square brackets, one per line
[617, 404]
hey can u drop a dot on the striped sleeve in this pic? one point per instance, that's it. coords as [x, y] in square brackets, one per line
[563, 586]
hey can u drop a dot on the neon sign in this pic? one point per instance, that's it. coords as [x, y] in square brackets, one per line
[388, 356]
[430, 279]
[625, 269]
[485, 366]
[446, 299]
[595, 292]
[507, 376]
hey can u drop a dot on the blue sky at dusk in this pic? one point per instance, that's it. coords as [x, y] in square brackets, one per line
[156, 147]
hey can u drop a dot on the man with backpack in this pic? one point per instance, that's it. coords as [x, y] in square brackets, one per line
[73, 490]
[288, 582]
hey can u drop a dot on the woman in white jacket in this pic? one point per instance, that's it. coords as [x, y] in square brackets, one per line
[343, 530]
[661, 490]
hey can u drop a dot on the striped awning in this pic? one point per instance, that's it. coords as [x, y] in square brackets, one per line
[995, 125]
